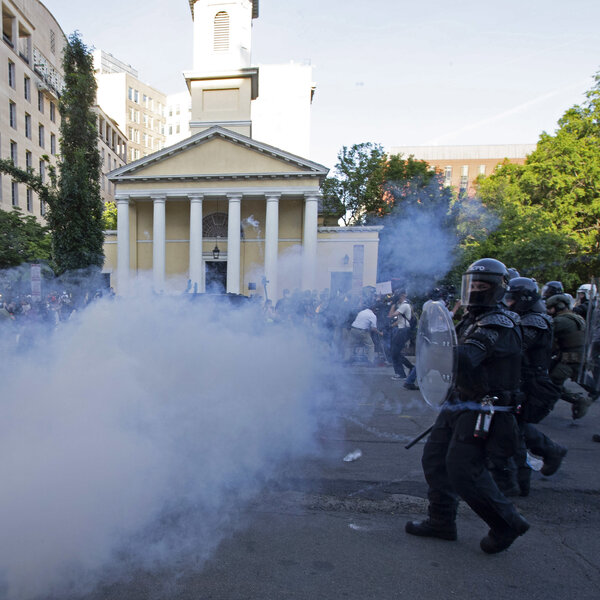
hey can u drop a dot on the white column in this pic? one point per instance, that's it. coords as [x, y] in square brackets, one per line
[196, 242]
[122, 244]
[158, 243]
[272, 243]
[309, 241]
[233, 243]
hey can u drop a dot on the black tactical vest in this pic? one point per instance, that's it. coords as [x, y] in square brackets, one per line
[537, 341]
[499, 332]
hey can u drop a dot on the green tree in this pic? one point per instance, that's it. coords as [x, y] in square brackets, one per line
[547, 210]
[109, 216]
[355, 190]
[75, 218]
[74, 205]
[22, 239]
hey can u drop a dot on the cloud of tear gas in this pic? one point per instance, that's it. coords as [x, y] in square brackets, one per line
[133, 434]
[416, 249]
[420, 240]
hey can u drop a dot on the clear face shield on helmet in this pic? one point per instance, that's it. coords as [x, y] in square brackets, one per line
[482, 289]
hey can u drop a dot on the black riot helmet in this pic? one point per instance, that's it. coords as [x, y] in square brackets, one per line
[484, 283]
[512, 273]
[551, 289]
[522, 295]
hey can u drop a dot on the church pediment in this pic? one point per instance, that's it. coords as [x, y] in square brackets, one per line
[218, 153]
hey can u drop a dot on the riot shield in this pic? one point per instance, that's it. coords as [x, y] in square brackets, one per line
[436, 356]
[589, 371]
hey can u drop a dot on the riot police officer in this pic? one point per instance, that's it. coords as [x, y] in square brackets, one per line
[551, 288]
[569, 342]
[539, 393]
[454, 457]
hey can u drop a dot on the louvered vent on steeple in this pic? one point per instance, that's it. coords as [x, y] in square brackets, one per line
[221, 32]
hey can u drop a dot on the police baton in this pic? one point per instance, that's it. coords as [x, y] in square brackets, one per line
[418, 438]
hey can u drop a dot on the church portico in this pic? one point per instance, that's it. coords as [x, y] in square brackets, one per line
[249, 240]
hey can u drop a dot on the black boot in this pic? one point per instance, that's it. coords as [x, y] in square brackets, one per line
[553, 461]
[429, 528]
[496, 541]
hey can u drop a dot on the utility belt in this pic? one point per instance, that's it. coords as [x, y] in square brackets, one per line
[486, 407]
[485, 414]
[500, 399]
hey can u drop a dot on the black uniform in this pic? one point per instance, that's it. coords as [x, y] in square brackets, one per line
[454, 461]
[540, 394]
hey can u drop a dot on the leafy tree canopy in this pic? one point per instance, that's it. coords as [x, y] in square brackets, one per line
[547, 211]
[22, 239]
[355, 190]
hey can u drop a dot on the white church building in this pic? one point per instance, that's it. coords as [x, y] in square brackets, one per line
[222, 210]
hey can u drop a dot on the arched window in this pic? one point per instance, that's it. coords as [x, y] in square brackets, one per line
[215, 226]
[221, 32]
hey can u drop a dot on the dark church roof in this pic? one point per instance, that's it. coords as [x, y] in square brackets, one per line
[254, 8]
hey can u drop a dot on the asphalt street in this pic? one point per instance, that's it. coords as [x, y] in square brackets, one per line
[326, 528]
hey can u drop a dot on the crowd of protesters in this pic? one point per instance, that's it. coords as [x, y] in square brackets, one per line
[23, 317]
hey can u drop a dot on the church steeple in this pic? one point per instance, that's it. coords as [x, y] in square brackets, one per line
[222, 83]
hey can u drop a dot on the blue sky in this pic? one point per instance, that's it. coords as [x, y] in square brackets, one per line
[387, 71]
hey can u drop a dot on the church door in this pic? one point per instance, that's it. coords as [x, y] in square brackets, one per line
[216, 276]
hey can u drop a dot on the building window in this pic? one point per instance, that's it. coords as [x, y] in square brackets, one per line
[42, 171]
[130, 93]
[13, 152]
[41, 136]
[52, 112]
[24, 43]
[447, 175]
[52, 144]
[12, 114]
[29, 200]
[7, 27]
[27, 88]
[52, 41]
[482, 169]
[42, 208]
[136, 96]
[14, 191]
[11, 75]
[221, 32]
[28, 159]
[28, 125]
[464, 179]
[41, 101]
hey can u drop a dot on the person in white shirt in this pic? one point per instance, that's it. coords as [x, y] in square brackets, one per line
[360, 334]
[401, 312]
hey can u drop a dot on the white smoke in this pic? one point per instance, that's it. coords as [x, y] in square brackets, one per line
[135, 433]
